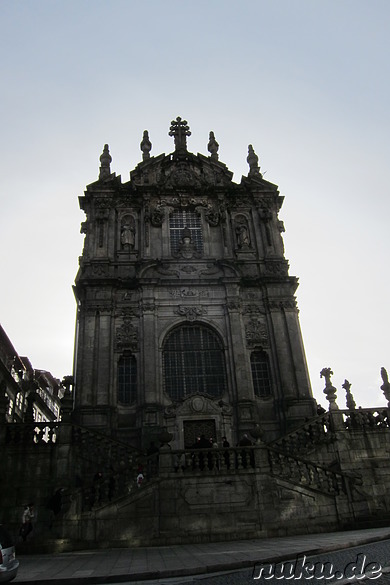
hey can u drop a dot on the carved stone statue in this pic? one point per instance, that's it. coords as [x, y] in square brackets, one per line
[128, 233]
[187, 248]
[242, 233]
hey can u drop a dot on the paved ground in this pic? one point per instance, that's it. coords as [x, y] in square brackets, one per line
[121, 565]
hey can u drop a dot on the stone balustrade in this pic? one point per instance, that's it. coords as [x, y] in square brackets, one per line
[39, 433]
[211, 460]
[306, 473]
[320, 430]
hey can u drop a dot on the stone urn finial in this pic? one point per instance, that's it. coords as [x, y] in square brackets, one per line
[349, 399]
[329, 390]
[212, 147]
[105, 160]
[146, 146]
[257, 433]
[385, 386]
[165, 437]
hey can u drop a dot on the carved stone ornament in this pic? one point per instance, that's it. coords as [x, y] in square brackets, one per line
[188, 292]
[233, 305]
[190, 313]
[256, 333]
[127, 336]
[285, 304]
[103, 203]
[148, 307]
[197, 404]
[99, 269]
[278, 267]
[253, 310]
[157, 216]
[212, 216]
[189, 269]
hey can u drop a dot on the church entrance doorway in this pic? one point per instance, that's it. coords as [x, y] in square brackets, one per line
[195, 428]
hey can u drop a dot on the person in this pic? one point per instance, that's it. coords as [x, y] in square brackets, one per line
[246, 442]
[27, 518]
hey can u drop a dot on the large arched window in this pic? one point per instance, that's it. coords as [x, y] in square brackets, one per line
[127, 379]
[261, 374]
[193, 362]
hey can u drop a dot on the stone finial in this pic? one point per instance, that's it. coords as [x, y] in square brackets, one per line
[212, 147]
[105, 160]
[253, 162]
[385, 386]
[329, 390]
[145, 146]
[349, 399]
[180, 130]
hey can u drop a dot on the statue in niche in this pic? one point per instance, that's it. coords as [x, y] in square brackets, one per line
[186, 248]
[128, 233]
[242, 233]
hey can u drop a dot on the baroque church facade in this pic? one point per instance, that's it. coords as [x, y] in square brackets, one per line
[186, 316]
[187, 325]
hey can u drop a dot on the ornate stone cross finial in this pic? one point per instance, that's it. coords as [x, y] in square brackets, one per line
[253, 162]
[212, 147]
[329, 390]
[146, 146]
[180, 130]
[349, 399]
[385, 386]
[105, 161]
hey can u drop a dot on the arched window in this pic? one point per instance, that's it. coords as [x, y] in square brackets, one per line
[127, 379]
[261, 373]
[193, 362]
[181, 219]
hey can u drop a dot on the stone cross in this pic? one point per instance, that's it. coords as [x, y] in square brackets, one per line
[180, 130]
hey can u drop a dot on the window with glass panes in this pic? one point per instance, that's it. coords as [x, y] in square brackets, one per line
[127, 380]
[260, 373]
[193, 362]
[181, 219]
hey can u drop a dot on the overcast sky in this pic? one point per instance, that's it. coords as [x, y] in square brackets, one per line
[305, 81]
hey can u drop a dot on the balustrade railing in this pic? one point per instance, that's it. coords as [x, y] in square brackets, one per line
[213, 459]
[43, 433]
[320, 431]
[306, 473]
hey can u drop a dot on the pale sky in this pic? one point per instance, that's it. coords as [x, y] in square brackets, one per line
[305, 81]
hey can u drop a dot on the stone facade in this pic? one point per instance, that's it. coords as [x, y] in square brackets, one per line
[187, 325]
[181, 250]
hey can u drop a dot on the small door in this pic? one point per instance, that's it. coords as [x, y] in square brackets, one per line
[195, 428]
